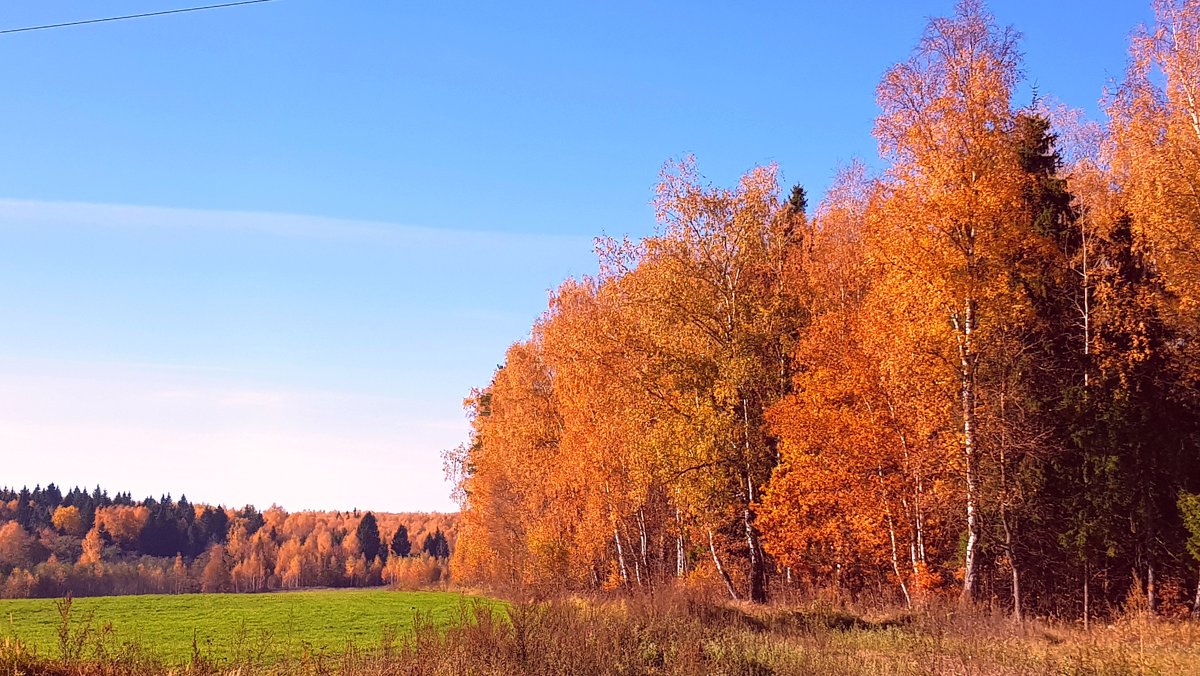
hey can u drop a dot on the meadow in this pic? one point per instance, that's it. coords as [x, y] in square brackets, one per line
[231, 627]
[382, 632]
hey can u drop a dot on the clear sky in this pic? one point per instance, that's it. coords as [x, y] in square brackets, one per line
[261, 254]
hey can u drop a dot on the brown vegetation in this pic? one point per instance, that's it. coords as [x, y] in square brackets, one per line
[678, 634]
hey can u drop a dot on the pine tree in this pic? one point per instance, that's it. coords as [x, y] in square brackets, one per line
[368, 537]
[401, 546]
[24, 508]
[435, 545]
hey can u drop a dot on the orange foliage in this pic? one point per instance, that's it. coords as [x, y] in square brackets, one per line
[68, 521]
[122, 522]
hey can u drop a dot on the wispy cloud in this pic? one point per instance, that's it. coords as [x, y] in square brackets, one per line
[50, 214]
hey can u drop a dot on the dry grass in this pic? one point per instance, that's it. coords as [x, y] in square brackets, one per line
[678, 634]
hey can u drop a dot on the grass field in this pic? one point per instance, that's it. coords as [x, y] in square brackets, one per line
[309, 634]
[236, 626]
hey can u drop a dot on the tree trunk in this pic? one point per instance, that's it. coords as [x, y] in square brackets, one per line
[1151, 596]
[758, 568]
[620, 556]
[920, 520]
[642, 542]
[892, 536]
[1086, 613]
[1005, 522]
[1087, 310]
[680, 548]
[1196, 602]
[1016, 588]
[896, 562]
[720, 568]
[967, 376]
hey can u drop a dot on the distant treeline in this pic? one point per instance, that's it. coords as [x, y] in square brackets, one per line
[88, 543]
[975, 373]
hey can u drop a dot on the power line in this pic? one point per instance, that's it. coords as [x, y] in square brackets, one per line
[132, 16]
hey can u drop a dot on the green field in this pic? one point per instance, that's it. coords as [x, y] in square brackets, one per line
[237, 626]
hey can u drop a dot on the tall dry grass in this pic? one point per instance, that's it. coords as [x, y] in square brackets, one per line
[675, 633]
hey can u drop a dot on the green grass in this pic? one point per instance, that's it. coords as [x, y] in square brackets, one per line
[237, 626]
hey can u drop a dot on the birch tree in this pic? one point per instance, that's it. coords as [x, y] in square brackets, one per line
[946, 114]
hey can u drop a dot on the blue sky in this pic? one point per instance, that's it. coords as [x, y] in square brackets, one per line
[261, 254]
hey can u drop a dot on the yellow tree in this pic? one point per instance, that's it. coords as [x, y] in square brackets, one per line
[853, 495]
[123, 522]
[179, 574]
[214, 577]
[637, 405]
[15, 545]
[93, 548]
[717, 322]
[604, 421]
[1154, 147]
[952, 185]
[290, 564]
[68, 520]
[513, 488]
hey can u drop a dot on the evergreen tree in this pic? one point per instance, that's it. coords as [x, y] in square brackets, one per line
[436, 545]
[400, 543]
[218, 525]
[368, 537]
[24, 508]
[100, 498]
[254, 519]
[1042, 365]
[184, 511]
[53, 497]
[797, 202]
[1129, 428]
[1189, 508]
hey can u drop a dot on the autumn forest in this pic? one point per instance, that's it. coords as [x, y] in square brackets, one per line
[87, 543]
[967, 374]
[970, 374]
